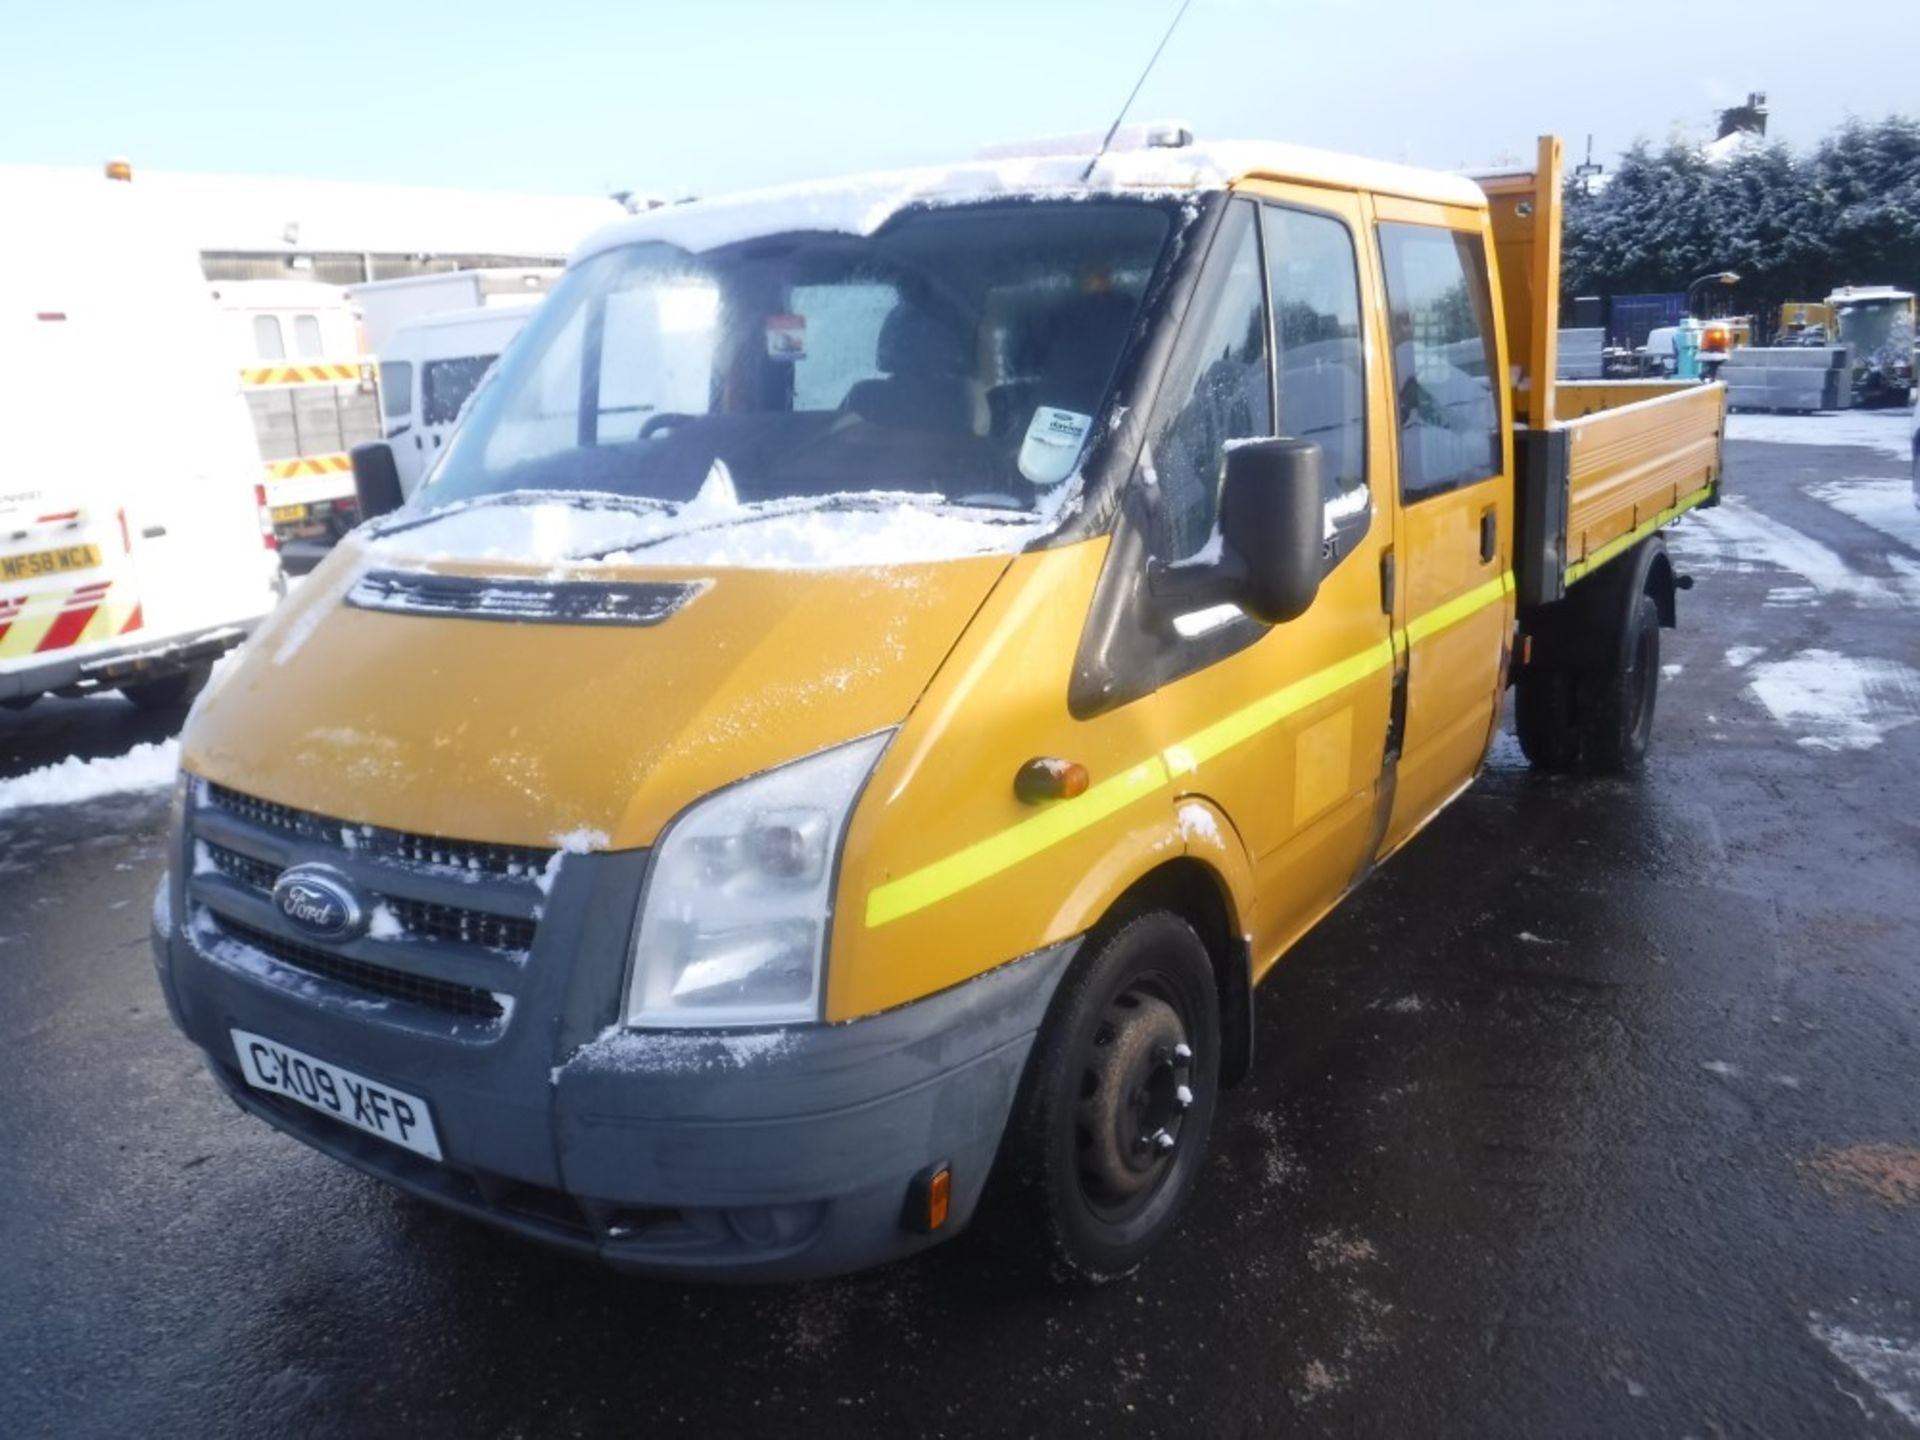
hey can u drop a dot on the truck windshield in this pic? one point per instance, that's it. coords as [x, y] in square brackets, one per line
[958, 353]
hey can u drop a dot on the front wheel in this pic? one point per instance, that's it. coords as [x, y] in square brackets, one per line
[1109, 1132]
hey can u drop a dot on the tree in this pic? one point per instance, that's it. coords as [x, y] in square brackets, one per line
[1866, 183]
[1651, 222]
[1794, 228]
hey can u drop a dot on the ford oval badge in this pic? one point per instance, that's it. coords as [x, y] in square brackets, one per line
[321, 901]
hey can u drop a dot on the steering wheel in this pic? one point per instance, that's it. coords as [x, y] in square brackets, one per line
[665, 420]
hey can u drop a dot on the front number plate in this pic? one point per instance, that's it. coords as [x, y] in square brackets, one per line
[365, 1104]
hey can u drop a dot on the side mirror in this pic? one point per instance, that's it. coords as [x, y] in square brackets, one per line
[1270, 550]
[1272, 514]
[376, 479]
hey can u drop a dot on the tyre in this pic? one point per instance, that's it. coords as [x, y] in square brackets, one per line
[1109, 1131]
[1543, 719]
[1618, 718]
[169, 692]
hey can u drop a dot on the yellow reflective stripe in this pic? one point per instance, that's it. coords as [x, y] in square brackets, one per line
[1459, 608]
[986, 858]
[1270, 710]
[24, 635]
[1639, 532]
[1062, 821]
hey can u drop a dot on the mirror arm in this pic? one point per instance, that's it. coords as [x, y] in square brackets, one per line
[1178, 588]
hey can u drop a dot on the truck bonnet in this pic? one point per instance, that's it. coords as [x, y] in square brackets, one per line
[386, 693]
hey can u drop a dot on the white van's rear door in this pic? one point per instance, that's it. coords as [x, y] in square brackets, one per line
[66, 578]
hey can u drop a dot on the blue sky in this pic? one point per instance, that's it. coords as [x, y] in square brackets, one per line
[569, 97]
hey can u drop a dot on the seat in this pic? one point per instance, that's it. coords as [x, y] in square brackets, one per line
[926, 358]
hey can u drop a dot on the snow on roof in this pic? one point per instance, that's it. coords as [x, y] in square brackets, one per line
[860, 204]
[280, 215]
[1736, 142]
[1848, 293]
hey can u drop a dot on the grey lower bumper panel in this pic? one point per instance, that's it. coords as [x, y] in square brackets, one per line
[749, 1156]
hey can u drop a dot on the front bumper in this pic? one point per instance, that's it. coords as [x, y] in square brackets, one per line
[751, 1156]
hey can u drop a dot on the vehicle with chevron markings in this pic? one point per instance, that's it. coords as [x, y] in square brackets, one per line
[134, 548]
[880, 674]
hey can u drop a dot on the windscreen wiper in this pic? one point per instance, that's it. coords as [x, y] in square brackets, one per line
[578, 499]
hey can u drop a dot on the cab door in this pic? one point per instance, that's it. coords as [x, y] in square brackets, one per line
[1453, 606]
[1284, 727]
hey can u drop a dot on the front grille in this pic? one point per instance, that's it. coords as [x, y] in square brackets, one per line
[469, 927]
[419, 919]
[254, 874]
[441, 995]
[468, 855]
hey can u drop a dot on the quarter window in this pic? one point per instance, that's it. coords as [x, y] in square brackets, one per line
[1443, 360]
[267, 342]
[1217, 388]
[396, 389]
[1314, 282]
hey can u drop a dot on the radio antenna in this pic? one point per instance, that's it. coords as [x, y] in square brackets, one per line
[1114, 128]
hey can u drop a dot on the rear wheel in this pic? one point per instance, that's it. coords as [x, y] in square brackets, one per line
[1109, 1133]
[169, 692]
[1619, 720]
[1595, 717]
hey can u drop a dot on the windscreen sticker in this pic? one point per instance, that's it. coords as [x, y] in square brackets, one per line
[1051, 449]
[786, 337]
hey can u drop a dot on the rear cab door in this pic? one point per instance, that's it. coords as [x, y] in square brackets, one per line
[1453, 593]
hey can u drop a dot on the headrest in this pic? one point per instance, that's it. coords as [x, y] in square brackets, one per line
[916, 339]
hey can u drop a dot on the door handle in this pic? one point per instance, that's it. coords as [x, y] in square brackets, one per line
[1386, 582]
[1489, 533]
[152, 532]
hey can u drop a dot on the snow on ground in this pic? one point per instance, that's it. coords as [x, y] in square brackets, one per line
[1888, 431]
[1885, 505]
[1835, 701]
[1736, 538]
[1889, 1363]
[145, 767]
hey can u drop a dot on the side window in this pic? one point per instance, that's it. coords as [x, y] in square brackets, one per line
[306, 334]
[1313, 278]
[1443, 364]
[1216, 389]
[267, 343]
[446, 384]
[396, 389]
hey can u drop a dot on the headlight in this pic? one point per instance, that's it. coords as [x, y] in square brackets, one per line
[733, 926]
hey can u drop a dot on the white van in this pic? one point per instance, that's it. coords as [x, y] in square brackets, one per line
[428, 370]
[134, 545]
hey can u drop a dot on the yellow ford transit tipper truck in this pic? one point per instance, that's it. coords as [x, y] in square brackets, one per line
[882, 672]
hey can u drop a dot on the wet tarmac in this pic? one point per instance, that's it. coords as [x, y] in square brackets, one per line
[1594, 1113]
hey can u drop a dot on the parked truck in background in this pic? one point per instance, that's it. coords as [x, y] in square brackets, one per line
[965, 627]
[135, 547]
[313, 393]
[386, 305]
[429, 368]
[1876, 324]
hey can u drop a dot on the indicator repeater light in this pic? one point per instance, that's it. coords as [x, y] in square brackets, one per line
[1046, 778]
